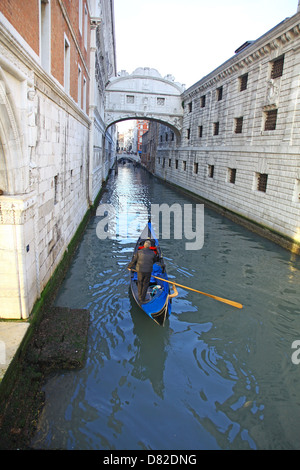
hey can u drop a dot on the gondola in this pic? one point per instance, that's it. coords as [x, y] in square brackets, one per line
[158, 303]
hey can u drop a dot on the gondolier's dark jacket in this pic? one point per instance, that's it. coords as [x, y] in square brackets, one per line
[143, 260]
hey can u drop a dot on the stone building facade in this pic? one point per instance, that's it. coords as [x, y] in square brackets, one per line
[54, 151]
[240, 141]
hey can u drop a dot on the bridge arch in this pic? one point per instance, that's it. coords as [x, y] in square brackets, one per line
[144, 95]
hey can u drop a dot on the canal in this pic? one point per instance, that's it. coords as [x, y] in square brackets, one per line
[214, 377]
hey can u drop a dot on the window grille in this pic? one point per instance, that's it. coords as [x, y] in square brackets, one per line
[232, 175]
[277, 67]
[130, 99]
[160, 101]
[216, 128]
[243, 82]
[211, 169]
[262, 179]
[271, 119]
[238, 125]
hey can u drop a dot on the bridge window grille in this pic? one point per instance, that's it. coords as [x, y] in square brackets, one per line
[277, 67]
[130, 99]
[219, 93]
[271, 119]
[232, 175]
[200, 131]
[202, 101]
[160, 101]
[238, 125]
[211, 169]
[262, 179]
[216, 128]
[243, 82]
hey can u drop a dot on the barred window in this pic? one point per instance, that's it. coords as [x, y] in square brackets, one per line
[211, 169]
[243, 82]
[238, 125]
[130, 99]
[271, 119]
[216, 128]
[160, 101]
[277, 67]
[231, 175]
[262, 179]
[219, 93]
[202, 101]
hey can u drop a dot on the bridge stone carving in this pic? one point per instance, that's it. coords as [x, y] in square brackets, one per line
[146, 95]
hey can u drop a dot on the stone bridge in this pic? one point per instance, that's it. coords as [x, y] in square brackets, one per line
[145, 95]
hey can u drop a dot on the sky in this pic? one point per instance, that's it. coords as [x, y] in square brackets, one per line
[190, 38]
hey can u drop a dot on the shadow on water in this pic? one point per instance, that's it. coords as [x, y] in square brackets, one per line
[151, 345]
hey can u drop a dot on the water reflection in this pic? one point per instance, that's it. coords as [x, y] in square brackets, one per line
[150, 348]
[214, 377]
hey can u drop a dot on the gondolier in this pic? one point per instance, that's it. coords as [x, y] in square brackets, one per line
[142, 262]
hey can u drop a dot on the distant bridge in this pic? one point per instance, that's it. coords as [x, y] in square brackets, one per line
[127, 157]
[145, 95]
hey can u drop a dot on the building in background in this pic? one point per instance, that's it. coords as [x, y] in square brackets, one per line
[142, 127]
[55, 58]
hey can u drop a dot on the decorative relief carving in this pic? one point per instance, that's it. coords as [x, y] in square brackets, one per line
[15, 211]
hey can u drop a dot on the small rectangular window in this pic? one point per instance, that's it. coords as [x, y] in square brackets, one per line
[216, 128]
[243, 82]
[170, 162]
[219, 93]
[262, 179]
[277, 67]
[211, 169]
[196, 168]
[55, 189]
[160, 101]
[231, 175]
[67, 66]
[238, 125]
[190, 105]
[296, 195]
[129, 99]
[176, 164]
[270, 120]
[172, 136]
[188, 133]
[200, 131]
[202, 101]
[184, 165]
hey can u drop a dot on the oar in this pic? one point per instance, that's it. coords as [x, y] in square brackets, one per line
[220, 299]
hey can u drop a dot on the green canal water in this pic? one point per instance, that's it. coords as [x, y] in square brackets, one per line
[214, 377]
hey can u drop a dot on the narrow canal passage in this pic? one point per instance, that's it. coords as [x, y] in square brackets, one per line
[214, 377]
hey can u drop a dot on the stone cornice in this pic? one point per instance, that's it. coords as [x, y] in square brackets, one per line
[287, 31]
